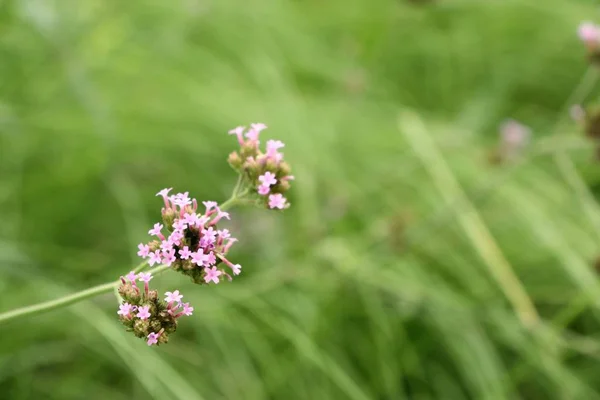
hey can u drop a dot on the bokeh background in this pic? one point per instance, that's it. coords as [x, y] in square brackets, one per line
[408, 267]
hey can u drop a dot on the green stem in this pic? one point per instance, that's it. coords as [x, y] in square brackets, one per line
[69, 299]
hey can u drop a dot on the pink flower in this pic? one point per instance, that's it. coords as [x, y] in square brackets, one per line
[210, 205]
[153, 338]
[179, 225]
[145, 277]
[210, 259]
[144, 250]
[255, 130]
[175, 238]
[212, 274]
[181, 199]
[169, 257]
[263, 190]
[199, 258]
[165, 195]
[131, 276]
[125, 309]
[209, 234]
[237, 269]
[187, 309]
[155, 258]
[589, 33]
[277, 201]
[173, 297]
[156, 231]
[185, 253]
[272, 147]
[267, 179]
[143, 312]
[224, 234]
[221, 214]
[238, 131]
[166, 245]
[229, 244]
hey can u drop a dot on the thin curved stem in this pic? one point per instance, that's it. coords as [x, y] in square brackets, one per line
[67, 300]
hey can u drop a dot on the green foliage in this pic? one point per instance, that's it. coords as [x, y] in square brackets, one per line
[382, 279]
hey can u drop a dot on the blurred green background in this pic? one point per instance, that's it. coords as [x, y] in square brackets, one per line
[390, 276]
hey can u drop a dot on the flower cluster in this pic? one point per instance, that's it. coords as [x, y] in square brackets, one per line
[193, 244]
[145, 314]
[589, 34]
[267, 175]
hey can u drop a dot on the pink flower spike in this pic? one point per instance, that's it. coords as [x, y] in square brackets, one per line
[185, 253]
[155, 258]
[153, 338]
[589, 33]
[238, 131]
[212, 274]
[131, 276]
[144, 249]
[125, 309]
[144, 313]
[277, 201]
[267, 179]
[263, 190]
[173, 297]
[187, 309]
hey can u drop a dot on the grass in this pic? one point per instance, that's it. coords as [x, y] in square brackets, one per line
[408, 266]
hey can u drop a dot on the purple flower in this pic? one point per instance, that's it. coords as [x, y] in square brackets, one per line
[145, 277]
[267, 179]
[181, 199]
[263, 190]
[199, 258]
[169, 257]
[125, 309]
[179, 225]
[131, 276]
[185, 253]
[176, 237]
[153, 338]
[238, 131]
[212, 274]
[224, 234]
[173, 297]
[156, 231]
[144, 250]
[143, 312]
[187, 309]
[210, 259]
[277, 201]
[209, 234]
[155, 258]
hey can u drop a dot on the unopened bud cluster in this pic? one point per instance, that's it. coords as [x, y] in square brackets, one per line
[266, 174]
[192, 245]
[145, 314]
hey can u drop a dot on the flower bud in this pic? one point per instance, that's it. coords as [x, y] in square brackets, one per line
[235, 160]
[284, 169]
[168, 216]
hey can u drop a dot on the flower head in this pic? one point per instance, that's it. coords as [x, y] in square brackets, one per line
[267, 179]
[187, 309]
[185, 253]
[156, 231]
[155, 258]
[131, 276]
